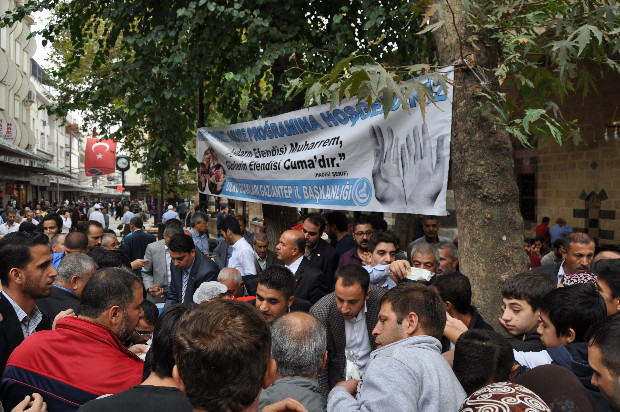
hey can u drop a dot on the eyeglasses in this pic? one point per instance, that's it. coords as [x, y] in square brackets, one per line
[361, 234]
[143, 334]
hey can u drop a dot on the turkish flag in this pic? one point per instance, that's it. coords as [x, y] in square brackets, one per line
[100, 157]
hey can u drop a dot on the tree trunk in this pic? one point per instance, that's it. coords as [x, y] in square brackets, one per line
[404, 224]
[486, 195]
[277, 220]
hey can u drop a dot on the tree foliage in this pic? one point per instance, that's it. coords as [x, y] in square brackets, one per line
[547, 49]
[144, 61]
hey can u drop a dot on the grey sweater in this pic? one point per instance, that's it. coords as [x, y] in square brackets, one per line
[304, 390]
[408, 375]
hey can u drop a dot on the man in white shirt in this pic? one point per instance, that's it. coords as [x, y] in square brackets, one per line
[97, 216]
[9, 226]
[242, 257]
[170, 214]
[349, 314]
[28, 216]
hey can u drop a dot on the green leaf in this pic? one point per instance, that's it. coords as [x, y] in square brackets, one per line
[531, 115]
[431, 27]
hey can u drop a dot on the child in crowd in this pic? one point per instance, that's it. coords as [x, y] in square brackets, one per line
[566, 314]
[523, 295]
[608, 283]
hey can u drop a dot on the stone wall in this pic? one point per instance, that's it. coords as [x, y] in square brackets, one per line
[582, 183]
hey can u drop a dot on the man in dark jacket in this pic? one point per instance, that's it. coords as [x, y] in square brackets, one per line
[318, 252]
[188, 270]
[27, 274]
[73, 273]
[134, 246]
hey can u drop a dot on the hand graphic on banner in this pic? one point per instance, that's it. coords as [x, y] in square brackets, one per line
[422, 180]
[405, 173]
[386, 171]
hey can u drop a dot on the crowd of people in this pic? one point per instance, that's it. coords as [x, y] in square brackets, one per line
[340, 317]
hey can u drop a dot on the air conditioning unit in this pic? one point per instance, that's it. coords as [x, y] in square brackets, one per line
[31, 97]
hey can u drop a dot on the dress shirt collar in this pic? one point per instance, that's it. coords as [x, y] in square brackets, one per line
[295, 265]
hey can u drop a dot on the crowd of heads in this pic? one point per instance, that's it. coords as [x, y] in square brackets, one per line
[238, 348]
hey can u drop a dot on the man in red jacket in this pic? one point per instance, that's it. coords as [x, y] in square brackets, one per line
[83, 358]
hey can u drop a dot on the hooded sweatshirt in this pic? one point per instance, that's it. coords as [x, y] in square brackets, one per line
[408, 375]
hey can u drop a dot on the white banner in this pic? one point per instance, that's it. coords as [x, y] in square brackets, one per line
[349, 158]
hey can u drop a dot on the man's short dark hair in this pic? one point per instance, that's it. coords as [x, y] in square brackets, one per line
[379, 224]
[481, 356]
[88, 224]
[137, 222]
[608, 270]
[546, 219]
[278, 277]
[76, 241]
[106, 288]
[559, 243]
[317, 219]
[241, 219]
[352, 274]
[540, 239]
[173, 222]
[15, 251]
[338, 219]
[109, 258]
[456, 289]
[224, 346]
[27, 227]
[53, 217]
[422, 300]
[230, 223]
[531, 286]
[605, 337]
[576, 307]
[160, 358]
[151, 313]
[181, 244]
[578, 238]
[300, 244]
[363, 220]
[430, 217]
[381, 237]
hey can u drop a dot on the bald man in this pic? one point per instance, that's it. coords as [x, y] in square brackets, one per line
[310, 282]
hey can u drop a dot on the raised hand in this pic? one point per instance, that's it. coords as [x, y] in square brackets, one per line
[422, 178]
[386, 170]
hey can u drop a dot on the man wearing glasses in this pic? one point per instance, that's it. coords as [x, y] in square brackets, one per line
[362, 231]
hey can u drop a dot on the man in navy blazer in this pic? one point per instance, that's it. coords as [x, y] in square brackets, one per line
[135, 244]
[188, 270]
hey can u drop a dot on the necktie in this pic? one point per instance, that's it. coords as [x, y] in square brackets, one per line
[185, 281]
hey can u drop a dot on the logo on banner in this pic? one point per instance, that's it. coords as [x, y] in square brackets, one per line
[362, 192]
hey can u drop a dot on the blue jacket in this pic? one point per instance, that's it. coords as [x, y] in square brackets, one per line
[574, 357]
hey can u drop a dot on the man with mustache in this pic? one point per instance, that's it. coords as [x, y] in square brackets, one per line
[431, 234]
[362, 231]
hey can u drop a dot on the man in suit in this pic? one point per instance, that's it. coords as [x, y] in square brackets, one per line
[310, 283]
[577, 254]
[319, 253]
[27, 274]
[349, 314]
[156, 273]
[188, 270]
[263, 256]
[134, 246]
[73, 272]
